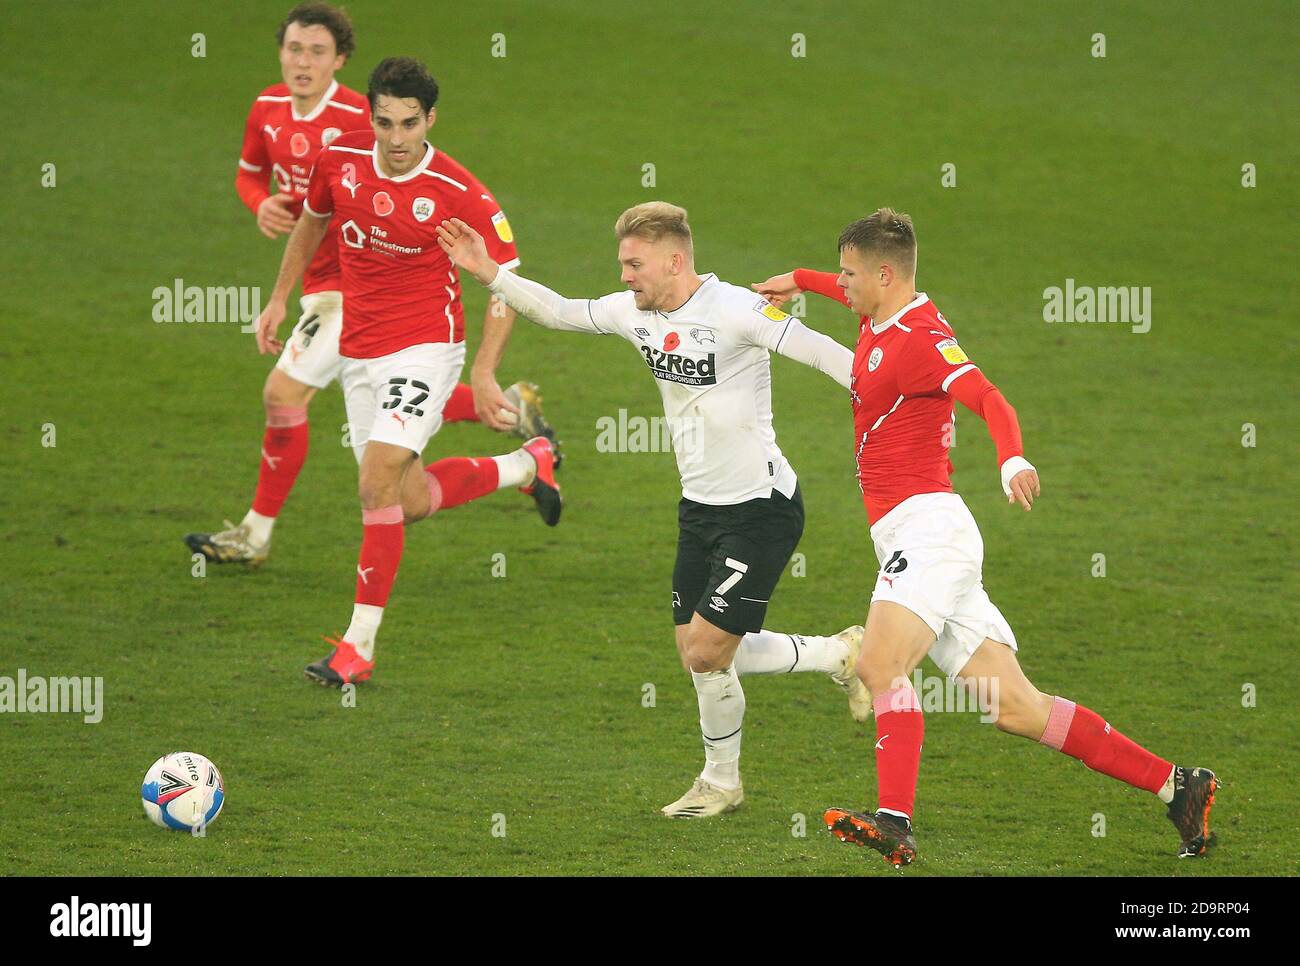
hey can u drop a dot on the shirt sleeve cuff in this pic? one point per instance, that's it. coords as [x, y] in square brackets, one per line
[1014, 465]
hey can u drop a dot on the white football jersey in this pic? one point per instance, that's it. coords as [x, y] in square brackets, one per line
[710, 360]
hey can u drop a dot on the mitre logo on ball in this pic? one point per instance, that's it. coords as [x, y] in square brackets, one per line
[299, 144]
[383, 204]
[422, 209]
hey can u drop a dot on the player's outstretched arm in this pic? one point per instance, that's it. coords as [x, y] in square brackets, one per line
[813, 348]
[1019, 478]
[780, 288]
[303, 242]
[465, 247]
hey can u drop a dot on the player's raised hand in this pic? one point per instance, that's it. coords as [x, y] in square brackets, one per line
[274, 217]
[268, 323]
[778, 289]
[1024, 487]
[467, 250]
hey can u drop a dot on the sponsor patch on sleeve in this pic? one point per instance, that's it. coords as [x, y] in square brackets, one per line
[771, 311]
[502, 225]
[951, 351]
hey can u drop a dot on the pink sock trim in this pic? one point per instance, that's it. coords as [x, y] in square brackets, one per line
[1058, 723]
[385, 514]
[896, 699]
[282, 417]
[435, 493]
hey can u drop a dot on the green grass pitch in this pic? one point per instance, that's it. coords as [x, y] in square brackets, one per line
[522, 696]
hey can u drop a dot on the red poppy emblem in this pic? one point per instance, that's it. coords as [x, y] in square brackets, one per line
[671, 341]
[383, 204]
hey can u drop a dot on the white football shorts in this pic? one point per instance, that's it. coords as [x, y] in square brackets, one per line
[311, 353]
[931, 560]
[399, 398]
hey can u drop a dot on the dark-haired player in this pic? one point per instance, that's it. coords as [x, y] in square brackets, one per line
[402, 344]
[929, 595]
[287, 126]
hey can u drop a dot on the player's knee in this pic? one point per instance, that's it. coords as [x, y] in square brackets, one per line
[378, 486]
[878, 672]
[281, 390]
[701, 654]
[702, 660]
[1021, 711]
[680, 642]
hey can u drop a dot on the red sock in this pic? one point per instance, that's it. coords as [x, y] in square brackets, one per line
[460, 407]
[381, 551]
[284, 450]
[460, 479]
[900, 730]
[1083, 734]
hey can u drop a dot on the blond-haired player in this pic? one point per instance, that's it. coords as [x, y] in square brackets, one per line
[707, 345]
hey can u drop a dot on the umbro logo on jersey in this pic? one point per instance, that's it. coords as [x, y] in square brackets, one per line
[642, 333]
[704, 335]
[299, 144]
[718, 604]
[383, 203]
[683, 369]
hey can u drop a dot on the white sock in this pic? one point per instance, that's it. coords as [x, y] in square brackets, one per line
[767, 652]
[722, 708]
[259, 527]
[366, 619]
[1166, 793]
[515, 469]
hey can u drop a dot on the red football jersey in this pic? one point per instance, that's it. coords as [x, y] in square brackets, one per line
[902, 415]
[281, 145]
[399, 287]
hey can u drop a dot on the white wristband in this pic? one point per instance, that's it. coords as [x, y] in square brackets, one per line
[1010, 468]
